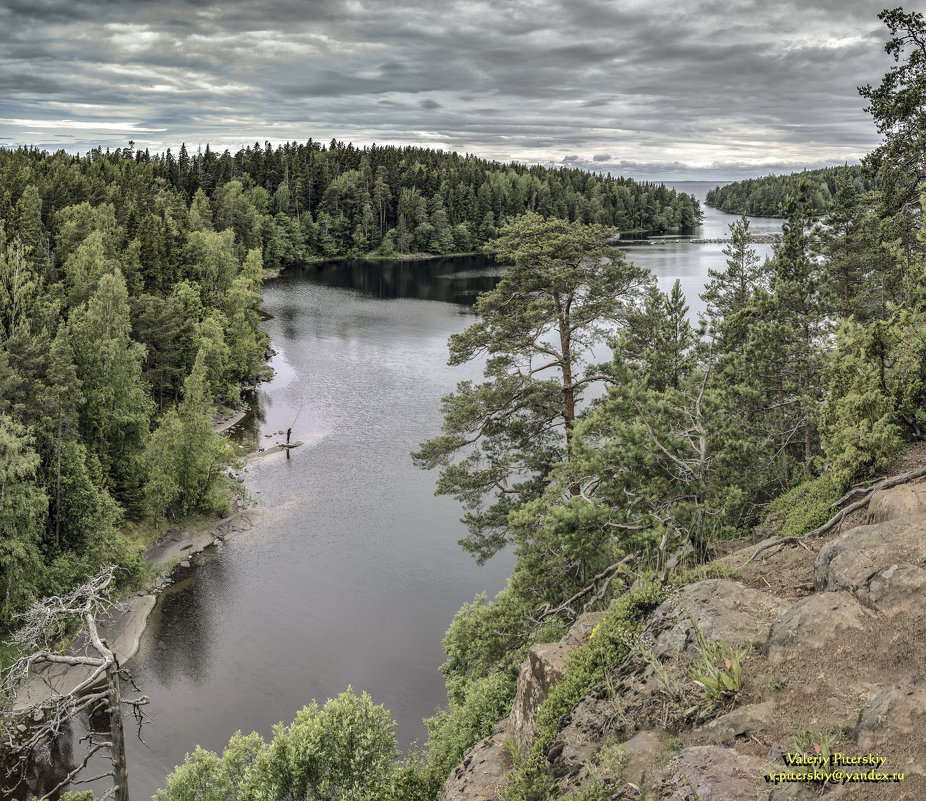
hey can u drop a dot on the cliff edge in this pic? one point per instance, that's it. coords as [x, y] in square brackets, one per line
[824, 647]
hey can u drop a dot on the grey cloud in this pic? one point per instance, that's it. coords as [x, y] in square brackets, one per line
[737, 82]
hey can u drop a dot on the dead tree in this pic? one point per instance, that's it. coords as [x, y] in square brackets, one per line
[38, 706]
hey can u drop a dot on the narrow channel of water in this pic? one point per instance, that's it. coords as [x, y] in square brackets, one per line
[355, 573]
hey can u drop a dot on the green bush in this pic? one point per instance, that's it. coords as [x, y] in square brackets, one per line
[450, 732]
[345, 750]
[807, 506]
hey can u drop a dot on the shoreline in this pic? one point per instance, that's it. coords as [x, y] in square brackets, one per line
[124, 623]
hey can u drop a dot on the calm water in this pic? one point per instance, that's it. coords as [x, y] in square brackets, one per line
[689, 263]
[355, 573]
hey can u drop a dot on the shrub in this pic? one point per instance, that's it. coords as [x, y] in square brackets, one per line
[807, 506]
[450, 732]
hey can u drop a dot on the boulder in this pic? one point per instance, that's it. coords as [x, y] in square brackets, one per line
[823, 620]
[646, 752]
[483, 771]
[894, 714]
[582, 628]
[740, 722]
[722, 609]
[883, 565]
[907, 499]
[543, 669]
[714, 773]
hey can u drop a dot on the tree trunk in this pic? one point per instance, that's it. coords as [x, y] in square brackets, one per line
[785, 474]
[120, 770]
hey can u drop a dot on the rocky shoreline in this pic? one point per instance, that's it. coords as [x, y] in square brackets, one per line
[124, 623]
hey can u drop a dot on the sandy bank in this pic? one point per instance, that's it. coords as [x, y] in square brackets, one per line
[124, 623]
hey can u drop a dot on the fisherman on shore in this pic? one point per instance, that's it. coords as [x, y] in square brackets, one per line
[288, 432]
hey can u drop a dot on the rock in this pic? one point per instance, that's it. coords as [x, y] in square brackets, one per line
[894, 714]
[483, 771]
[907, 499]
[543, 669]
[21, 728]
[883, 565]
[582, 628]
[723, 610]
[895, 590]
[714, 773]
[241, 521]
[740, 722]
[646, 751]
[679, 555]
[824, 620]
[185, 563]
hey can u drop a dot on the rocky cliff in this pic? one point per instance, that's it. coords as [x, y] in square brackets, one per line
[830, 639]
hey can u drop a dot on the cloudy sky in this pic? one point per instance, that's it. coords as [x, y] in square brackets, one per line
[709, 89]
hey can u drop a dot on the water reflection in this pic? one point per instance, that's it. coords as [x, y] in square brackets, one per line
[457, 280]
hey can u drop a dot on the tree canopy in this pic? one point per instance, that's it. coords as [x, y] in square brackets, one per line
[564, 293]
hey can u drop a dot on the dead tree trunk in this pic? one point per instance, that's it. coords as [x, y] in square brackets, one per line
[93, 685]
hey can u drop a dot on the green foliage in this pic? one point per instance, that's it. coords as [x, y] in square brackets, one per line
[718, 671]
[538, 327]
[414, 780]
[484, 640]
[814, 743]
[345, 750]
[185, 453]
[22, 515]
[605, 775]
[585, 668]
[484, 702]
[897, 106]
[807, 506]
[763, 197]
[205, 776]
[861, 435]
[109, 365]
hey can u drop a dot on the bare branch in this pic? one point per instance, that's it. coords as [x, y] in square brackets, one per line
[546, 611]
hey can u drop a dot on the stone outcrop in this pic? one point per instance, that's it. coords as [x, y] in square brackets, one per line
[843, 666]
[484, 768]
[720, 608]
[543, 669]
[483, 771]
[902, 501]
[883, 565]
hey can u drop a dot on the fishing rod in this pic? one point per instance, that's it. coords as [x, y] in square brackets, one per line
[290, 429]
[297, 414]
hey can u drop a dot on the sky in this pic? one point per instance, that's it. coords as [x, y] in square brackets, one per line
[679, 89]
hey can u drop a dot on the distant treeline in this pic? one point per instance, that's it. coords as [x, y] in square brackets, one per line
[763, 197]
[298, 201]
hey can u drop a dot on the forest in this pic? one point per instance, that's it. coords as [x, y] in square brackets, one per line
[763, 197]
[131, 285]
